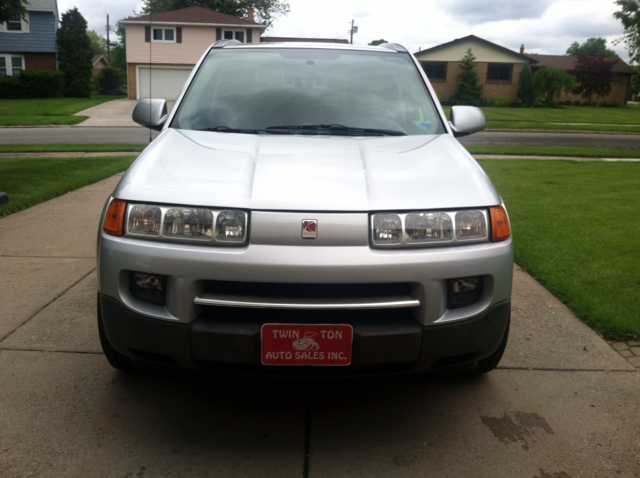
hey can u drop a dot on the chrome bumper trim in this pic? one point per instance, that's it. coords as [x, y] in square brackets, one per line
[297, 303]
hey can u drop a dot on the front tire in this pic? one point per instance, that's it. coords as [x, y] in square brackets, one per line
[115, 358]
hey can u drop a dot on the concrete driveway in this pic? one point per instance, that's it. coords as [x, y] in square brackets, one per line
[563, 404]
[113, 113]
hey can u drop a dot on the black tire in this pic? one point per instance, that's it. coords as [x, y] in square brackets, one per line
[491, 362]
[115, 358]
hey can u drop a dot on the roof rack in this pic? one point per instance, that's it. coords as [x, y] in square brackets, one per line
[223, 43]
[393, 46]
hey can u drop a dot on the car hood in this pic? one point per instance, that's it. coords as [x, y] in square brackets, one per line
[305, 173]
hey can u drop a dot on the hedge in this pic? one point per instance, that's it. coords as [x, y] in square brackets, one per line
[32, 84]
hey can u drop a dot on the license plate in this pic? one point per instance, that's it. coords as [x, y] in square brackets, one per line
[306, 344]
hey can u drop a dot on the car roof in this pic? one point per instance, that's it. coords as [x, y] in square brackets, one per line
[231, 44]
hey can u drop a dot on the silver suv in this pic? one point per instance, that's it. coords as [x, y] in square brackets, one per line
[305, 210]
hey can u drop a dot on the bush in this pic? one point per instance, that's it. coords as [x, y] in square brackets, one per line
[586, 103]
[517, 102]
[500, 100]
[110, 80]
[42, 83]
[576, 103]
[11, 88]
[568, 103]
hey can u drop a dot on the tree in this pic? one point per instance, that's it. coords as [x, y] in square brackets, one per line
[98, 43]
[593, 47]
[526, 92]
[378, 42]
[594, 74]
[634, 84]
[74, 54]
[629, 15]
[265, 10]
[12, 7]
[119, 50]
[468, 91]
[550, 81]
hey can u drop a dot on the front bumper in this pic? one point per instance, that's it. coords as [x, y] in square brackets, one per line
[385, 343]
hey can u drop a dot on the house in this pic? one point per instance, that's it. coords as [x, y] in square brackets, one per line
[99, 62]
[305, 40]
[619, 87]
[163, 48]
[498, 68]
[27, 44]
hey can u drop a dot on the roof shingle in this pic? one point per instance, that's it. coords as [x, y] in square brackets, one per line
[193, 15]
[568, 62]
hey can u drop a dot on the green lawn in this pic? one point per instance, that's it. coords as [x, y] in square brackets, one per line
[57, 148]
[31, 181]
[598, 119]
[555, 151]
[47, 111]
[575, 229]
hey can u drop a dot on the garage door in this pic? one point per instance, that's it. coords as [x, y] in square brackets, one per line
[166, 83]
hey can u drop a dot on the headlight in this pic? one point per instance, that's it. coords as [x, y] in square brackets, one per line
[429, 228]
[226, 227]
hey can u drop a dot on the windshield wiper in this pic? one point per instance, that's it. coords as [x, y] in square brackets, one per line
[337, 129]
[227, 129]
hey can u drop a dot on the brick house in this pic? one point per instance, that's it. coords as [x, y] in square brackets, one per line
[163, 48]
[498, 68]
[619, 88]
[30, 44]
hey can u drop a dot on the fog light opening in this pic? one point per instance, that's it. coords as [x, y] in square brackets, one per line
[464, 291]
[148, 287]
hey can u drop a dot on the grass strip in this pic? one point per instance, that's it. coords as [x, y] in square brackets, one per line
[31, 181]
[572, 151]
[562, 127]
[74, 147]
[575, 230]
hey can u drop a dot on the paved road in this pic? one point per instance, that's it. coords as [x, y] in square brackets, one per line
[501, 138]
[563, 404]
[137, 134]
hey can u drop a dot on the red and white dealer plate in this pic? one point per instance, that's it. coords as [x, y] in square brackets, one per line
[306, 344]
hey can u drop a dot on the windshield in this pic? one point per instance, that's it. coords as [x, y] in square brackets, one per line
[308, 91]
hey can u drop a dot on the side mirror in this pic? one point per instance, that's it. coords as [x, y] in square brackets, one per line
[151, 113]
[466, 120]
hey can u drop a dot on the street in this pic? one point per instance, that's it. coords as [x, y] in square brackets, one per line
[138, 134]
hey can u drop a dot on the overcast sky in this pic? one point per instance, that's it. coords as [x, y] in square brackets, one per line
[543, 26]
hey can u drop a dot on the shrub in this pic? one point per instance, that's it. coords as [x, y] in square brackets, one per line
[500, 100]
[568, 103]
[110, 80]
[586, 103]
[42, 83]
[517, 102]
[576, 103]
[11, 88]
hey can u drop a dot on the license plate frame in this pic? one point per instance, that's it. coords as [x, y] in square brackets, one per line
[325, 345]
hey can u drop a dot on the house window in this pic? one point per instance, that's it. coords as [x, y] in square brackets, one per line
[499, 71]
[15, 24]
[435, 70]
[11, 65]
[164, 34]
[234, 35]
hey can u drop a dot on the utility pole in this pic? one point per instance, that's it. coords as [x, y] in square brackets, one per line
[354, 29]
[108, 43]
